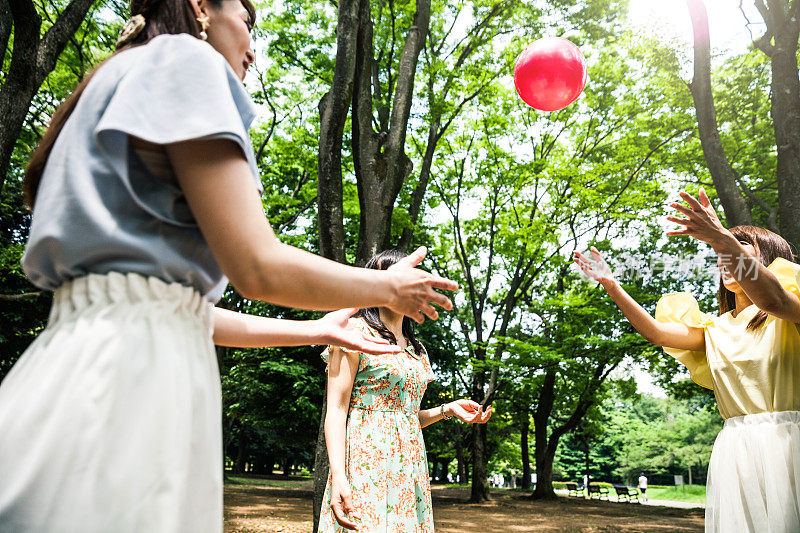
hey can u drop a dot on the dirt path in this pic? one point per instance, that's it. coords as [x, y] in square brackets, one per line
[250, 509]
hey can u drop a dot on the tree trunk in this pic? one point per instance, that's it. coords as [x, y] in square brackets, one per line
[269, 463]
[6, 23]
[480, 484]
[321, 464]
[785, 111]
[544, 474]
[461, 470]
[380, 162]
[737, 212]
[241, 453]
[526, 455]
[480, 480]
[544, 456]
[368, 162]
[32, 59]
[586, 457]
[444, 471]
[333, 109]
[780, 43]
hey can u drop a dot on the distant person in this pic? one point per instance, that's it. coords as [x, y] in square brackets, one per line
[643, 485]
[747, 354]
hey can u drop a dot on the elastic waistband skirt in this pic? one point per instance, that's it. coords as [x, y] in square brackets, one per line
[753, 475]
[96, 290]
[111, 420]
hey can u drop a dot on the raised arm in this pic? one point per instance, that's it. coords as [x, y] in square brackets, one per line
[342, 369]
[758, 283]
[671, 335]
[217, 181]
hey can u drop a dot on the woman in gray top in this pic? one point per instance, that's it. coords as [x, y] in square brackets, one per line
[145, 197]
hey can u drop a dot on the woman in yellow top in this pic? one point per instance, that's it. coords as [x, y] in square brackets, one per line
[749, 355]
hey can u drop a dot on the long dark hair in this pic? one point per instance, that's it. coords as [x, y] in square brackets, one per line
[769, 246]
[372, 316]
[161, 17]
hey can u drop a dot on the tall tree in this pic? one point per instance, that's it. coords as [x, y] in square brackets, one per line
[737, 211]
[380, 162]
[33, 57]
[780, 44]
[589, 174]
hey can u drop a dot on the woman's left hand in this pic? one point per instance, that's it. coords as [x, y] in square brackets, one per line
[469, 411]
[702, 222]
[335, 329]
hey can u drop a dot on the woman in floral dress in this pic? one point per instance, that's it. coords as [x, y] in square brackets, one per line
[378, 478]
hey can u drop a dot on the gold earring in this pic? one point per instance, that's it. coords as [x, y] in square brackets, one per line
[204, 24]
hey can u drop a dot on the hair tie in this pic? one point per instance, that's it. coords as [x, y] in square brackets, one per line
[130, 30]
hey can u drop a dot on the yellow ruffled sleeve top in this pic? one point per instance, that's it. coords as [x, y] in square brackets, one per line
[749, 371]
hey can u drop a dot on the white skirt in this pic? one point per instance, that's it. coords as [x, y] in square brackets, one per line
[111, 420]
[754, 474]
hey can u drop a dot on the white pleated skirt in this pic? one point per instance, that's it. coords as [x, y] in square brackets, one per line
[754, 474]
[111, 420]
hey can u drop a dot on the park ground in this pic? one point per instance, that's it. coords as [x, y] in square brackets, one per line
[279, 505]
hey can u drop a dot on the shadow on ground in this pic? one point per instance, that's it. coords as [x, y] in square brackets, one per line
[250, 509]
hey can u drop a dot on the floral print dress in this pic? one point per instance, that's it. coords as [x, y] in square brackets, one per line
[385, 459]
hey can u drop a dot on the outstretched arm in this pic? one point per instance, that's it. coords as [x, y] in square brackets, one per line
[217, 182]
[466, 410]
[671, 335]
[248, 331]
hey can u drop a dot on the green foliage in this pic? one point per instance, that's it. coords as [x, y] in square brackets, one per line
[684, 493]
[23, 319]
[661, 437]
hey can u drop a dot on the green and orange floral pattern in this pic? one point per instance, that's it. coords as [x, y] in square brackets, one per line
[385, 457]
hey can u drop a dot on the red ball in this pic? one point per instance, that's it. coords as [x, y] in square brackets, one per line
[550, 74]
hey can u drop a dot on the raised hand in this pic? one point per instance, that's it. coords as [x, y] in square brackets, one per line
[336, 329]
[595, 267]
[701, 220]
[414, 288]
[470, 412]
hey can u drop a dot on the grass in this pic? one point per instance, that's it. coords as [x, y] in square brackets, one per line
[267, 482]
[686, 493]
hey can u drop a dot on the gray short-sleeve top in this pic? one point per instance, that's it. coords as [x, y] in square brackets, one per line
[98, 207]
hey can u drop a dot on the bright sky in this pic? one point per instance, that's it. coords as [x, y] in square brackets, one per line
[727, 24]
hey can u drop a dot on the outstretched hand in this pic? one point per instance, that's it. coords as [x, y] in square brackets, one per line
[470, 412]
[701, 220]
[336, 330]
[595, 267]
[414, 288]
